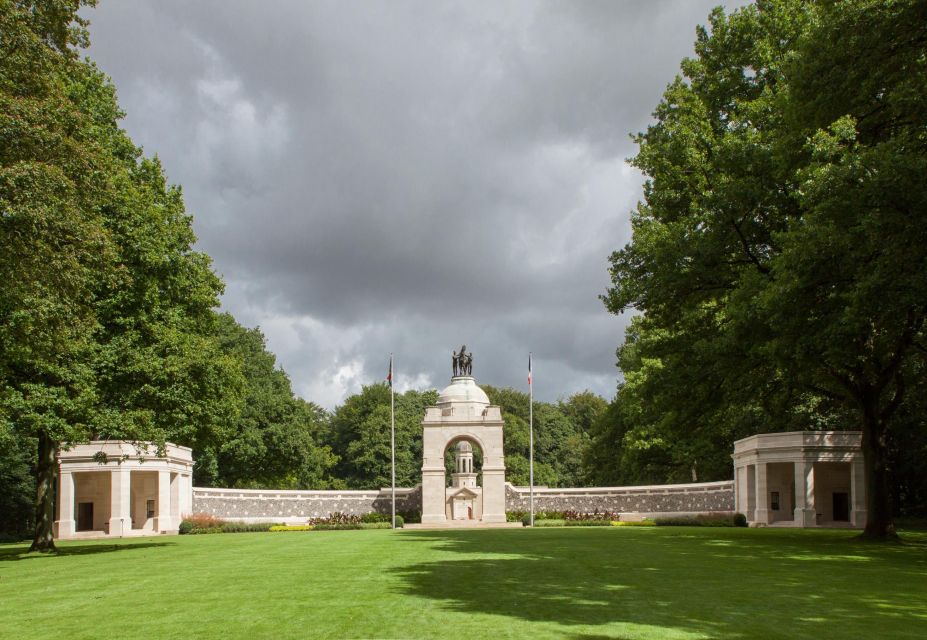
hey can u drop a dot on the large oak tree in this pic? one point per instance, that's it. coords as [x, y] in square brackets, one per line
[780, 255]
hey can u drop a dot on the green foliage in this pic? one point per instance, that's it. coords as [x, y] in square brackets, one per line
[105, 308]
[17, 485]
[779, 255]
[291, 527]
[560, 436]
[199, 524]
[703, 520]
[548, 523]
[273, 441]
[246, 527]
[412, 516]
[359, 434]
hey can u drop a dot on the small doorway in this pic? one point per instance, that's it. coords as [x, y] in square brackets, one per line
[841, 506]
[85, 516]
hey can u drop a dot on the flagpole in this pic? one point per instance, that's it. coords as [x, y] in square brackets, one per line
[531, 439]
[392, 440]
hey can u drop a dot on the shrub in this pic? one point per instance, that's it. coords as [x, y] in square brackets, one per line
[204, 521]
[375, 525]
[413, 516]
[339, 526]
[515, 516]
[572, 515]
[740, 520]
[373, 516]
[701, 520]
[678, 521]
[246, 527]
[633, 523]
[586, 523]
[380, 518]
[550, 523]
[291, 527]
[185, 527]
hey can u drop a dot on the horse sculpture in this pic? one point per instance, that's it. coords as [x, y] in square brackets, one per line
[462, 362]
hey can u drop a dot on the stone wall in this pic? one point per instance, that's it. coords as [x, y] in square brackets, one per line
[292, 507]
[668, 499]
[263, 505]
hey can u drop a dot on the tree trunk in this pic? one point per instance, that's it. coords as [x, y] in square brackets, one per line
[879, 523]
[46, 479]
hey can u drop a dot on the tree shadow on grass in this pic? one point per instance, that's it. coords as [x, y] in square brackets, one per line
[720, 583]
[21, 552]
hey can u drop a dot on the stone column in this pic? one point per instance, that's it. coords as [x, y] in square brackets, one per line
[805, 514]
[186, 496]
[493, 494]
[434, 496]
[163, 521]
[740, 482]
[65, 525]
[761, 516]
[120, 518]
[858, 493]
[175, 499]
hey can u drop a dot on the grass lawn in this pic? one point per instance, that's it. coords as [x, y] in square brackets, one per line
[639, 582]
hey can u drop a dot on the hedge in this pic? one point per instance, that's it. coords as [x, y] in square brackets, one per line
[704, 520]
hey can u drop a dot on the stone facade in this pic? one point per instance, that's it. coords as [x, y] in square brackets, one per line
[462, 414]
[801, 479]
[256, 505]
[669, 499]
[113, 488]
[293, 507]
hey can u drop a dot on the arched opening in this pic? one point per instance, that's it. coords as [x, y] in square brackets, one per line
[463, 461]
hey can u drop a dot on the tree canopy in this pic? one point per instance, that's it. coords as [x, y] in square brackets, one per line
[106, 321]
[779, 254]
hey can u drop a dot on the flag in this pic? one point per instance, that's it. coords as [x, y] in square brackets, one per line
[529, 369]
[389, 376]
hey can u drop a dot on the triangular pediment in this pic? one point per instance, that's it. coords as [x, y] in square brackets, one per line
[463, 494]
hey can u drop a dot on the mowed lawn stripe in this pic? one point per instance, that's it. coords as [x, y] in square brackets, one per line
[668, 582]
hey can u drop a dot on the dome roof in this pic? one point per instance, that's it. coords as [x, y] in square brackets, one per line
[462, 389]
[464, 447]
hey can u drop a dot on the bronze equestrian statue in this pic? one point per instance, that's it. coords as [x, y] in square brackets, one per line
[462, 362]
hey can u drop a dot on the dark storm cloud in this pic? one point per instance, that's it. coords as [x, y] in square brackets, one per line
[405, 176]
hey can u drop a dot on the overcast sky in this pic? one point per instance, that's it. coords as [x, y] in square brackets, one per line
[405, 176]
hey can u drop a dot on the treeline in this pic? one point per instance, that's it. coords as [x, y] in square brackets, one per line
[359, 434]
[778, 257]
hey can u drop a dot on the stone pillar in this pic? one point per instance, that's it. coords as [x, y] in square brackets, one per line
[858, 493]
[761, 515]
[120, 518]
[434, 496]
[493, 494]
[740, 486]
[750, 497]
[65, 525]
[186, 495]
[163, 521]
[805, 514]
[175, 499]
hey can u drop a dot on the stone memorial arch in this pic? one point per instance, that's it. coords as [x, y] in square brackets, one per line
[462, 415]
